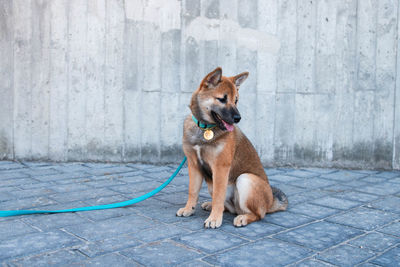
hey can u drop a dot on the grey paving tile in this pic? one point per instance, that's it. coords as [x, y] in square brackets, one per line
[312, 263]
[160, 232]
[26, 203]
[343, 175]
[195, 263]
[390, 203]
[210, 240]
[252, 231]
[159, 176]
[113, 244]
[272, 171]
[112, 259]
[134, 189]
[375, 241]
[15, 227]
[389, 174]
[312, 210]
[306, 196]
[36, 172]
[61, 176]
[313, 183]
[320, 170]
[82, 195]
[382, 189]
[18, 182]
[289, 190]
[5, 193]
[168, 254]
[287, 219]
[391, 229]
[357, 196]
[363, 218]
[36, 243]
[356, 183]
[395, 180]
[99, 215]
[389, 258]
[345, 255]
[319, 235]
[109, 170]
[11, 166]
[279, 178]
[373, 179]
[302, 173]
[337, 188]
[112, 227]
[178, 198]
[336, 203]
[66, 188]
[5, 175]
[61, 257]
[31, 192]
[266, 252]
[46, 222]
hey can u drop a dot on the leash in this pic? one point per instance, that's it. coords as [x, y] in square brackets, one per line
[8, 213]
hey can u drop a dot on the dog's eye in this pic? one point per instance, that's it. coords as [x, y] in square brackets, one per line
[223, 99]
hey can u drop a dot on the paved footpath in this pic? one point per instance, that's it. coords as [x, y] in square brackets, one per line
[336, 217]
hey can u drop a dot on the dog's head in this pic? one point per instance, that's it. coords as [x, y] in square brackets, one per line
[215, 101]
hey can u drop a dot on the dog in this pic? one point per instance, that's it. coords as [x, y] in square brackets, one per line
[219, 153]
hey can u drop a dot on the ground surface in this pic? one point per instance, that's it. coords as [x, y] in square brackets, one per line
[336, 217]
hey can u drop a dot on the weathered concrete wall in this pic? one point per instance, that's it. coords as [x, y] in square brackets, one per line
[111, 80]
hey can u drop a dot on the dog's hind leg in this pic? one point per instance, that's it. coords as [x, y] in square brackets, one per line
[252, 197]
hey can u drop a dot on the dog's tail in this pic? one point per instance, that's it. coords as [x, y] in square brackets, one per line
[280, 200]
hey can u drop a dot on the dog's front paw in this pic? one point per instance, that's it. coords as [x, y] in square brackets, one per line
[185, 212]
[206, 206]
[213, 221]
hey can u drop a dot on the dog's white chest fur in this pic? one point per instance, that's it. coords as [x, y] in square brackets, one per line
[198, 152]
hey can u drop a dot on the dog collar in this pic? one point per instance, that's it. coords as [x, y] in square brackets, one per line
[203, 125]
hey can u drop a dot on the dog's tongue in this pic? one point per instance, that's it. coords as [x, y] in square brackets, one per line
[228, 126]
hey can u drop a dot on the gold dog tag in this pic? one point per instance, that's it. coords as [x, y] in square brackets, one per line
[208, 134]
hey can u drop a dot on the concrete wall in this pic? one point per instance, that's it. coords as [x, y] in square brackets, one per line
[110, 80]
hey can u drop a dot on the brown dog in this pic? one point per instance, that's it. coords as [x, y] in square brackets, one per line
[220, 153]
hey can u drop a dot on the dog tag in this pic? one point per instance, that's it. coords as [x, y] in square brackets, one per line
[208, 134]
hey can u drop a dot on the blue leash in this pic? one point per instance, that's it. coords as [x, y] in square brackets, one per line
[8, 213]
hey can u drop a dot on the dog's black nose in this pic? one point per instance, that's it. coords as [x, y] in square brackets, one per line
[236, 118]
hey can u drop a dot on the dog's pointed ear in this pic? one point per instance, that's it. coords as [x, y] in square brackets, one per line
[213, 78]
[240, 78]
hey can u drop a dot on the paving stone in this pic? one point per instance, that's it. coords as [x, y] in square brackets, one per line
[11, 166]
[36, 243]
[112, 259]
[195, 263]
[168, 254]
[373, 179]
[178, 198]
[313, 183]
[14, 228]
[66, 188]
[395, 180]
[210, 240]
[390, 203]
[312, 210]
[337, 188]
[12, 175]
[266, 252]
[82, 195]
[312, 263]
[253, 231]
[389, 258]
[382, 189]
[319, 235]
[113, 244]
[159, 176]
[26, 203]
[31, 192]
[306, 197]
[375, 241]
[389, 175]
[302, 173]
[112, 227]
[356, 183]
[289, 190]
[70, 167]
[60, 176]
[279, 178]
[99, 215]
[47, 222]
[18, 182]
[345, 255]
[55, 258]
[160, 232]
[272, 171]
[391, 229]
[343, 175]
[363, 218]
[336, 203]
[36, 172]
[357, 196]
[320, 170]
[287, 219]
[5, 193]
[109, 170]
[134, 189]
